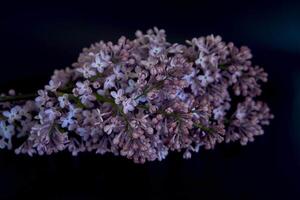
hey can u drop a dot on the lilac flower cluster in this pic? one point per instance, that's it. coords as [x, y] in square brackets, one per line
[141, 99]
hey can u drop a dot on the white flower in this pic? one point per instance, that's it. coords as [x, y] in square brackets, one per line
[6, 131]
[110, 82]
[201, 60]
[128, 105]
[118, 96]
[63, 101]
[14, 114]
[101, 61]
[205, 79]
[53, 85]
[155, 51]
[86, 71]
[109, 128]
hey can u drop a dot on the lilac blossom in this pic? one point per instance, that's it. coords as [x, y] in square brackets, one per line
[101, 61]
[205, 79]
[118, 96]
[86, 71]
[63, 100]
[141, 99]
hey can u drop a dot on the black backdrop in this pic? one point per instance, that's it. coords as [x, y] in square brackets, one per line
[37, 38]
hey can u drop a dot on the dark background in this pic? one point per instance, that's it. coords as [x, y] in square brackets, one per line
[37, 38]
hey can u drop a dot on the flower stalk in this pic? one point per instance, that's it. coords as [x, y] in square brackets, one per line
[20, 97]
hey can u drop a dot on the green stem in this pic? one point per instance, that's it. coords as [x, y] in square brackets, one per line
[17, 97]
[105, 99]
[178, 119]
[145, 107]
[223, 66]
[2, 117]
[94, 78]
[204, 128]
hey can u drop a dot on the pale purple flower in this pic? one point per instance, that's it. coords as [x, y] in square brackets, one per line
[86, 71]
[155, 51]
[189, 78]
[87, 98]
[63, 100]
[43, 97]
[235, 76]
[99, 117]
[219, 113]
[82, 88]
[240, 113]
[6, 131]
[128, 105]
[67, 121]
[102, 61]
[83, 132]
[118, 96]
[63, 76]
[53, 85]
[118, 72]
[162, 153]
[49, 115]
[187, 154]
[93, 117]
[110, 82]
[205, 79]
[181, 95]
[131, 86]
[14, 114]
[201, 60]
[108, 129]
